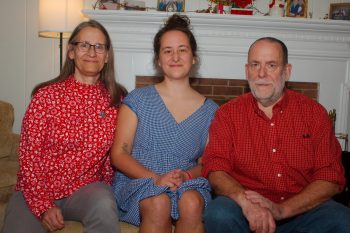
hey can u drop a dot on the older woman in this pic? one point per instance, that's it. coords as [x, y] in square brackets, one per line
[67, 131]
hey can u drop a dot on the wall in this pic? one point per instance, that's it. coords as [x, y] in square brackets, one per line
[26, 59]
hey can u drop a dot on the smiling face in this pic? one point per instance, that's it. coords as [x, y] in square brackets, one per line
[88, 64]
[266, 72]
[175, 55]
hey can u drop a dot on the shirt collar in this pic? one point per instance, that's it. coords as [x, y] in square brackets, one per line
[281, 105]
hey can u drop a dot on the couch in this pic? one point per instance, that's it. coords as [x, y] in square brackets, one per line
[9, 167]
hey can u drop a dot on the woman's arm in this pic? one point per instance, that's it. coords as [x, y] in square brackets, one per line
[123, 142]
[32, 157]
[121, 152]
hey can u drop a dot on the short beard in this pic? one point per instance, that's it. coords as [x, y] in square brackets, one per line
[267, 102]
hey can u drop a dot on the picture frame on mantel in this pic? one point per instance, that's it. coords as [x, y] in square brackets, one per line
[339, 11]
[171, 5]
[297, 8]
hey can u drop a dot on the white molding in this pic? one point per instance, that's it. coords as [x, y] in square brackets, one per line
[319, 50]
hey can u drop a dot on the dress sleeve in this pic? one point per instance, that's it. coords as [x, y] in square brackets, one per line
[32, 177]
[220, 147]
[131, 100]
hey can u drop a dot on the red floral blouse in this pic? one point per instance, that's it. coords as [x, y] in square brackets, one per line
[67, 132]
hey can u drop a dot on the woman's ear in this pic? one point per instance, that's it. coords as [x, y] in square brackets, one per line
[194, 60]
[71, 53]
[106, 58]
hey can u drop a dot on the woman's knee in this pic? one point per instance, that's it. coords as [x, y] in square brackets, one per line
[97, 200]
[191, 203]
[157, 206]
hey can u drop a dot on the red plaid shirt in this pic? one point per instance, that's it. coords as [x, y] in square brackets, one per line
[276, 157]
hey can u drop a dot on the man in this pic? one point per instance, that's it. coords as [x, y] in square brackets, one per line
[272, 159]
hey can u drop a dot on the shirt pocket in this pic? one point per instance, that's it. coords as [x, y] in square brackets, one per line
[300, 153]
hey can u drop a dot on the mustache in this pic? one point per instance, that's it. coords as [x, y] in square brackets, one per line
[261, 82]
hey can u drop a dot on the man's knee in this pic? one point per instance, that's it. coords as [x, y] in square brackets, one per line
[338, 216]
[224, 215]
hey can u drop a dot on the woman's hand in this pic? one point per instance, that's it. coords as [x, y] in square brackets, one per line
[172, 179]
[52, 219]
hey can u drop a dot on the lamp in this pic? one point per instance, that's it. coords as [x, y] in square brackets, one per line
[58, 18]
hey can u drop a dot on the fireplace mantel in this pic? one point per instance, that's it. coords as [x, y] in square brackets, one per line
[319, 50]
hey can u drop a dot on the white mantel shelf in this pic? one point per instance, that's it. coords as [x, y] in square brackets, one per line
[215, 32]
[319, 50]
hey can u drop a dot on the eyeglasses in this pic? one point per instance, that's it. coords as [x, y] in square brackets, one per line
[85, 47]
[270, 67]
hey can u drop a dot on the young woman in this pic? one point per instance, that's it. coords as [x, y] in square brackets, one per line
[161, 133]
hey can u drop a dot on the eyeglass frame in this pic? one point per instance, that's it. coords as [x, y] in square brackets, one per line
[269, 66]
[104, 46]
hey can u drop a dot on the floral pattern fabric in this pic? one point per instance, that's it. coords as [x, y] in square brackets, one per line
[67, 132]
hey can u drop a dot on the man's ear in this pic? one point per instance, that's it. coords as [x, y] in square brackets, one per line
[246, 71]
[287, 71]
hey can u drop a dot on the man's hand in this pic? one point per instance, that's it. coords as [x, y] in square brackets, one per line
[263, 202]
[260, 218]
[52, 219]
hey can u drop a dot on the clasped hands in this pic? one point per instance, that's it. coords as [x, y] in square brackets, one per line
[172, 179]
[260, 212]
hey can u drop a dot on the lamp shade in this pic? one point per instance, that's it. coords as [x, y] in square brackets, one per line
[59, 16]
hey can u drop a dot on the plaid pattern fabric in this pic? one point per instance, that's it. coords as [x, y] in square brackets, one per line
[276, 157]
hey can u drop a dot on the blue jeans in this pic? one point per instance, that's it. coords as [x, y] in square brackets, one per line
[223, 215]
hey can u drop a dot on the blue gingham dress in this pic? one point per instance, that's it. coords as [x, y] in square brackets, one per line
[161, 144]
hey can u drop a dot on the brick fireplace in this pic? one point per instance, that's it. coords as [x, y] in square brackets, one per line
[319, 51]
[223, 90]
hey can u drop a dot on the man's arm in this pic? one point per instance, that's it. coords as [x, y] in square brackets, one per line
[225, 185]
[260, 219]
[312, 195]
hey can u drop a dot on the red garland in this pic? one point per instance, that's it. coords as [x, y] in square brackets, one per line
[273, 3]
[242, 3]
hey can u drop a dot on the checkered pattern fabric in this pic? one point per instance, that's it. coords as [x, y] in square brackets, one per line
[161, 144]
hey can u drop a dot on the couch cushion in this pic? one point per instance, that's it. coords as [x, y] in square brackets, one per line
[2, 213]
[8, 178]
[128, 228]
[76, 227]
[71, 227]
[6, 122]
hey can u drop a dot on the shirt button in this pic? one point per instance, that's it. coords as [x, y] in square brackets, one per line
[274, 150]
[279, 175]
[272, 124]
[282, 198]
